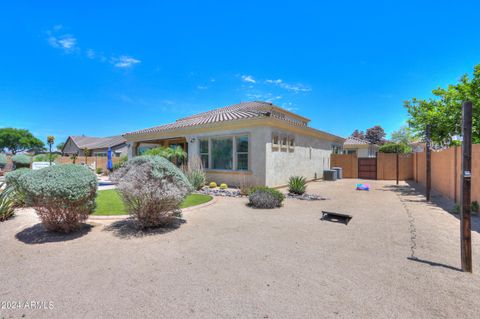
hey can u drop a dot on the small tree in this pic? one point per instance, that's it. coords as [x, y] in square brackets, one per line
[50, 141]
[375, 135]
[86, 153]
[60, 146]
[73, 157]
[358, 134]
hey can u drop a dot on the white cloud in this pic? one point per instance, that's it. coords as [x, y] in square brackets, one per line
[290, 87]
[124, 61]
[248, 78]
[66, 42]
[267, 97]
[91, 54]
[202, 87]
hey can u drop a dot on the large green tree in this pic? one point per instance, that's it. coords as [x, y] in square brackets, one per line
[443, 112]
[403, 135]
[17, 140]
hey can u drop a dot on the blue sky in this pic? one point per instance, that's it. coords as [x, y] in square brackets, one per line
[104, 68]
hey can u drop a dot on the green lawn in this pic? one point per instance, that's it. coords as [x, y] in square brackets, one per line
[109, 202]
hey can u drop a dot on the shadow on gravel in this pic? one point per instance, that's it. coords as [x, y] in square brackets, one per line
[126, 229]
[437, 200]
[37, 234]
[433, 264]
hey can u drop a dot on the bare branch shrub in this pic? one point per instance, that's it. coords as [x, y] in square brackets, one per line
[152, 188]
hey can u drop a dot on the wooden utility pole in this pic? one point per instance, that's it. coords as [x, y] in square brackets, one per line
[428, 163]
[465, 216]
[398, 168]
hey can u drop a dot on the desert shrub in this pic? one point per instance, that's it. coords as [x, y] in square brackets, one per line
[456, 208]
[122, 160]
[7, 202]
[99, 170]
[265, 197]
[12, 180]
[395, 148]
[197, 178]
[475, 207]
[45, 157]
[3, 161]
[195, 173]
[21, 161]
[223, 186]
[62, 195]
[212, 185]
[297, 185]
[152, 189]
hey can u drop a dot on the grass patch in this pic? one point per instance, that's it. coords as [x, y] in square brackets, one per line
[109, 202]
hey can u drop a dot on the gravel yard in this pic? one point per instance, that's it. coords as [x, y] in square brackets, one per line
[231, 261]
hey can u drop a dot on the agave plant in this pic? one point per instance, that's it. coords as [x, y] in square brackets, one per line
[7, 202]
[297, 185]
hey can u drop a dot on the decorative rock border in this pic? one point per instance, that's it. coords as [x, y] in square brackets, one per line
[220, 192]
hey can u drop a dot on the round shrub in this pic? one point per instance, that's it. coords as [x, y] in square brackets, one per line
[395, 148]
[223, 186]
[3, 161]
[212, 185]
[152, 189]
[265, 197]
[63, 195]
[21, 160]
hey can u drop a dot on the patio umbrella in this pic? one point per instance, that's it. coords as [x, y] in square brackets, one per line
[109, 159]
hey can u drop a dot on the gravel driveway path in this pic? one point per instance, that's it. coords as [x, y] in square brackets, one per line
[231, 261]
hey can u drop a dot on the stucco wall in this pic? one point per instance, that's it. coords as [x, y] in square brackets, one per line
[309, 158]
[259, 136]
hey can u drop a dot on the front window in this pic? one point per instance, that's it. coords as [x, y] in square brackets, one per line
[204, 153]
[222, 153]
[242, 153]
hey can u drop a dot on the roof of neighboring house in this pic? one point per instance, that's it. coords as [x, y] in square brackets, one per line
[91, 142]
[351, 140]
[240, 111]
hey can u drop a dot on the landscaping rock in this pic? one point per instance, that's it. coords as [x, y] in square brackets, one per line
[305, 196]
[220, 192]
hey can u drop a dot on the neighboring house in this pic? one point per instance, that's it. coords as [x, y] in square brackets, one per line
[255, 143]
[362, 148]
[98, 146]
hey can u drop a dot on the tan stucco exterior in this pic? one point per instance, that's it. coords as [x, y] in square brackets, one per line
[268, 165]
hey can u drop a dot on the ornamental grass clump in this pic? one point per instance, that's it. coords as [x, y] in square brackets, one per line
[3, 161]
[12, 181]
[62, 195]
[21, 161]
[265, 197]
[297, 185]
[152, 189]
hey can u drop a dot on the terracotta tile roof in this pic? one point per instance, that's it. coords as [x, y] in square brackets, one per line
[355, 141]
[244, 110]
[91, 142]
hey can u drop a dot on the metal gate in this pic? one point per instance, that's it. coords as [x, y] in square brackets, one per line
[367, 168]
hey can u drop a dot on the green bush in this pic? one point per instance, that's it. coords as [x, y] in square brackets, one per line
[197, 178]
[297, 185]
[99, 170]
[475, 207]
[62, 195]
[265, 197]
[223, 186]
[12, 180]
[21, 160]
[7, 202]
[45, 157]
[3, 161]
[122, 160]
[395, 148]
[212, 185]
[152, 189]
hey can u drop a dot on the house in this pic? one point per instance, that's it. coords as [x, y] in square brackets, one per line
[255, 143]
[97, 146]
[362, 148]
